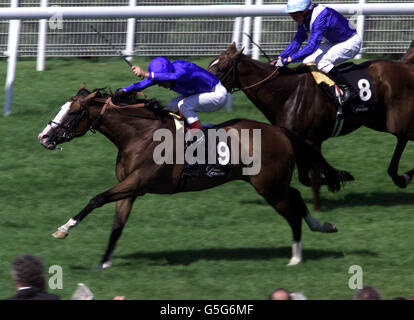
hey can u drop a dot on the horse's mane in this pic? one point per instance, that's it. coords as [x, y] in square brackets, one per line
[300, 69]
[128, 103]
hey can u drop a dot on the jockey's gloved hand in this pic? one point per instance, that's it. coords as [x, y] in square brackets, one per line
[119, 94]
[282, 62]
[273, 62]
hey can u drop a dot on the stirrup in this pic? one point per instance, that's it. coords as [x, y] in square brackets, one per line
[352, 96]
[199, 140]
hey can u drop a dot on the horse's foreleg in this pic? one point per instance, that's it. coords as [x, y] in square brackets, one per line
[405, 179]
[316, 186]
[122, 190]
[122, 211]
[303, 176]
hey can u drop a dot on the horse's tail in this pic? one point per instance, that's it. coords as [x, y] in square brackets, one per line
[309, 157]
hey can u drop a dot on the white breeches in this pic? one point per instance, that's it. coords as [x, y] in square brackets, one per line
[201, 102]
[330, 54]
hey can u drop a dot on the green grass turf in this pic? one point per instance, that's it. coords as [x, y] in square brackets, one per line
[223, 243]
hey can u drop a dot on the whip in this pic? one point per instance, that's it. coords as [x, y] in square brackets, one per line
[108, 42]
[260, 48]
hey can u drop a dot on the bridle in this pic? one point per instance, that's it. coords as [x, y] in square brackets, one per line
[233, 72]
[68, 129]
[230, 72]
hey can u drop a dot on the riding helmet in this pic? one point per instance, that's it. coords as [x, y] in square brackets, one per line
[297, 5]
[160, 64]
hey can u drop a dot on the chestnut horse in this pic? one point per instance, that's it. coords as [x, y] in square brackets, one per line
[131, 128]
[291, 98]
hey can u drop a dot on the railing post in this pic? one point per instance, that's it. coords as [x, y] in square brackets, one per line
[12, 47]
[130, 38]
[41, 40]
[246, 29]
[257, 33]
[360, 28]
[236, 31]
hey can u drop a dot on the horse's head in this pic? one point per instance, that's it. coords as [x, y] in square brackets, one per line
[409, 56]
[224, 67]
[71, 121]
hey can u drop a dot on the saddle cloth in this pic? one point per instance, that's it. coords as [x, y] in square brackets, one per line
[205, 167]
[357, 77]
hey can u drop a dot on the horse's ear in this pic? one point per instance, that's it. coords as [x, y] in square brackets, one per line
[91, 95]
[232, 47]
[83, 86]
[238, 53]
[412, 44]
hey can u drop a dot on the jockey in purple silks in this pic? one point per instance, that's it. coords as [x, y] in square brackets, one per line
[320, 22]
[200, 90]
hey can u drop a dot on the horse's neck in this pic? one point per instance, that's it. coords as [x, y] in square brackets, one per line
[119, 126]
[280, 85]
[254, 66]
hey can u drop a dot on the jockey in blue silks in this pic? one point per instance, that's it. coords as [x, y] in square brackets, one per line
[200, 90]
[320, 22]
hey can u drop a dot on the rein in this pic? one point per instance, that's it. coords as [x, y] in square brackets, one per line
[109, 103]
[234, 69]
[261, 81]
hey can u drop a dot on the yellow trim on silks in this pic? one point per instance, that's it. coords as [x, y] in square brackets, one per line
[178, 123]
[319, 76]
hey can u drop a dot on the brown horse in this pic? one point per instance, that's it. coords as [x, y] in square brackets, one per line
[291, 98]
[132, 129]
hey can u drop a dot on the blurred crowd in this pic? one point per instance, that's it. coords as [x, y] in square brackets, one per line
[365, 293]
[29, 277]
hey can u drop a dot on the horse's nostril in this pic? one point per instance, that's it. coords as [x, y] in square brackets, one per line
[50, 145]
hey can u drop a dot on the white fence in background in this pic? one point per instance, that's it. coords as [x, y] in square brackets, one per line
[190, 36]
[178, 28]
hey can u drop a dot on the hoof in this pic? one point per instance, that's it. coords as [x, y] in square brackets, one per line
[407, 178]
[60, 234]
[329, 228]
[104, 265]
[294, 261]
[346, 176]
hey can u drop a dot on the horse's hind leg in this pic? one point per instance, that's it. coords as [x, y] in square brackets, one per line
[293, 209]
[403, 180]
[285, 203]
[313, 224]
[122, 210]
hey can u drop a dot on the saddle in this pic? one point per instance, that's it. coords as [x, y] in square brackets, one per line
[207, 154]
[361, 83]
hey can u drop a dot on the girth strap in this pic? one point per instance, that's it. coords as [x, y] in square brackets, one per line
[339, 122]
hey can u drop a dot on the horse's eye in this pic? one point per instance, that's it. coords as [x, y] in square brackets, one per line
[74, 112]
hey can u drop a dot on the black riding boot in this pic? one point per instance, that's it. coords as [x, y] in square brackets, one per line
[348, 92]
